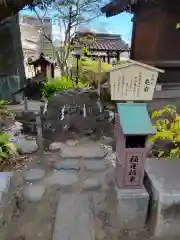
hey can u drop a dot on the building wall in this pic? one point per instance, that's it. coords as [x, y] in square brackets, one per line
[146, 34]
[155, 39]
[31, 33]
[169, 39]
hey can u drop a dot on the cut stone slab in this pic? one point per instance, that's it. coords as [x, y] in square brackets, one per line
[74, 218]
[34, 175]
[34, 193]
[67, 165]
[72, 143]
[5, 179]
[26, 146]
[95, 165]
[63, 179]
[86, 151]
[91, 184]
[5, 194]
[56, 146]
[163, 184]
[132, 208]
[108, 140]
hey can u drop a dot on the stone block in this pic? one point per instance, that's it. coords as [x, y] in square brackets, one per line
[132, 208]
[5, 179]
[163, 184]
[5, 195]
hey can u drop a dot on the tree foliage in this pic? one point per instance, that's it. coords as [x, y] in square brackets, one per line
[68, 15]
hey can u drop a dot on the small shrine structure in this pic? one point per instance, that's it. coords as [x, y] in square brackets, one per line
[155, 39]
[43, 66]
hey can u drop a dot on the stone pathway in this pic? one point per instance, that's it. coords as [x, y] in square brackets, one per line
[74, 218]
[82, 172]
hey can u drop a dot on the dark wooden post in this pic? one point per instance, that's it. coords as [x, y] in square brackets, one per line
[117, 56]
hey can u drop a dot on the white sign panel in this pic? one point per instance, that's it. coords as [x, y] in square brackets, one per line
[133, 82]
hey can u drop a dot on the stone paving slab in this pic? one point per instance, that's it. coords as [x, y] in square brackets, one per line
[67, 165]
[63, 179]
[91, 184]
[56, 146]
[34, 175]
[95, 165]
[34, 193]
[86, 151]
[74, 218]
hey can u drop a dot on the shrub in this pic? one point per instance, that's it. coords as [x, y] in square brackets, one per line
[6, 116]
[166, 141]
[89, 73]
[59, 84]
[7, 150]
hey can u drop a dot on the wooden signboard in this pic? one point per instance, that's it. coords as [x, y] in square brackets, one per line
[133, 81]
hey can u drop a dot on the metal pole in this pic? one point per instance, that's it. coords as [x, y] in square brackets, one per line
[25, 103]
[77, 73]
[99, 79]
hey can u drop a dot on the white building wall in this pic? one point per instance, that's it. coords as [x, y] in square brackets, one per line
[33, 39]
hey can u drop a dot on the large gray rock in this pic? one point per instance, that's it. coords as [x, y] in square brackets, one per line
[26, 146]
[163, 184]
[83, 111]
[132, 208]
[74, 218]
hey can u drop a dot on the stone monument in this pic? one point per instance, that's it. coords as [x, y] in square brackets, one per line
[132, 81]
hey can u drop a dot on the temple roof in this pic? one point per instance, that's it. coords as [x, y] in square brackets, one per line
[117, 6]
[105, 42]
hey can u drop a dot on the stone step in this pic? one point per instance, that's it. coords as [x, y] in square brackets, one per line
[74, 218]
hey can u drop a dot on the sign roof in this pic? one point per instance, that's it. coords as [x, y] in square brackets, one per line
[131, 63]
[134, 119]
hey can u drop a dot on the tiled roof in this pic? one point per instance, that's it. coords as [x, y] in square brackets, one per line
[104, 41]
[109, 44]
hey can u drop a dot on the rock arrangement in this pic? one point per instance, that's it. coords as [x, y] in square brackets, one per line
[76, 109]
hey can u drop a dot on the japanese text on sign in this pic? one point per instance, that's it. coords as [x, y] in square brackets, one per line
[133, 166]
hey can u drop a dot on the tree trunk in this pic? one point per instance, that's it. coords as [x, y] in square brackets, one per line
[11, 55]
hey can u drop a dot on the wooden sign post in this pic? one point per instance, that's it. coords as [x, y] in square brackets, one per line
[132, 81]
